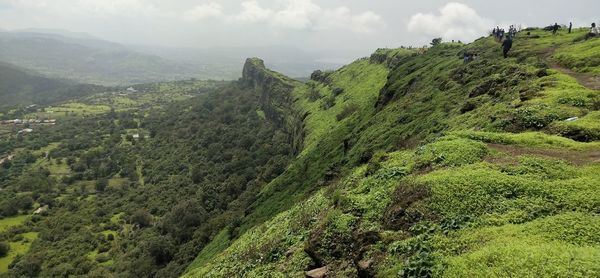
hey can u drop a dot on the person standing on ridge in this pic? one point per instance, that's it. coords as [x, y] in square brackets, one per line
[555, 28]
[594, 32]
[570, 27]
[506, 46]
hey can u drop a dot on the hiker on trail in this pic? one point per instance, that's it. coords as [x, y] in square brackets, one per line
[555, 28]
[469, 57]
[497, 34]
[570, 27]
[506, 46]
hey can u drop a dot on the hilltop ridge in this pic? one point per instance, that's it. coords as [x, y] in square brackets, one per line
[418, 164]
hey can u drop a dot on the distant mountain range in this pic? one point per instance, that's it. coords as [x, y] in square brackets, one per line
[85, 59]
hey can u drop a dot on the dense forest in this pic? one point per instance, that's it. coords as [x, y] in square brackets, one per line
[147, 204]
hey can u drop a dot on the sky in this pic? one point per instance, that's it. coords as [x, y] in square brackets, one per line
[345, 25]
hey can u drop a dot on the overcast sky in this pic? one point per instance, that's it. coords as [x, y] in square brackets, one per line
[361, 25]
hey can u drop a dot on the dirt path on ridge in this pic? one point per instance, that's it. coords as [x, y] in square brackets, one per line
[576, 157]
[587, 80]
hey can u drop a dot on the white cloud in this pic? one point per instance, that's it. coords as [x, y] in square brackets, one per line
[454, 21]
[203, 11]
[252, 12]
[297, 14]
[91, 8]
[342, 18]
[307, 15]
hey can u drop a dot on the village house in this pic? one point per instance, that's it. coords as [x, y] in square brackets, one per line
[26, 130]
[41, 210]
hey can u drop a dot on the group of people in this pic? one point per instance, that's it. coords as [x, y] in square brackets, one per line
[506, 38]
[469, 57]
[508, 42]
[499, 33]
[594, 31]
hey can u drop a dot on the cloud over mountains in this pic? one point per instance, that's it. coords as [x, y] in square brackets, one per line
[303, 15]
[453, 21]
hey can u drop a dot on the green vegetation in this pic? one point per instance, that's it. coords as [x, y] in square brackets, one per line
[409, 163]
[581, 56]
[8, 222]
[108, 178]
[17, 248]
[490, 179]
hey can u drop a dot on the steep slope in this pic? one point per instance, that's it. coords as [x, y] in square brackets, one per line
[416, 164]
[21, 87]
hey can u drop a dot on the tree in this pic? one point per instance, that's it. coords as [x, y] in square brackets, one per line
[183, 219]
[101, 185]
[4, 249]
[436, 41]
[161, 249]
[141, 218]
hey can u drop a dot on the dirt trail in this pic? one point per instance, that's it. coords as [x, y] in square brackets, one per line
[575, 157]
[587, 80]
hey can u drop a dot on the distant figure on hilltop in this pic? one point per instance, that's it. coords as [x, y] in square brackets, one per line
[570, 27]
[594, 32]
[506, 46]
[555, 28]
[512, 31]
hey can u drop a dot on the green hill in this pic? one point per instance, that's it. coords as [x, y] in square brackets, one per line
[21, 87]
[416, 164]
[90, 60]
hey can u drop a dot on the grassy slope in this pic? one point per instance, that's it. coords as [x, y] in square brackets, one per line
[461, 197]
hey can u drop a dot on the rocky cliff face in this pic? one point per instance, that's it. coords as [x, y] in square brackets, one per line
[276, 99]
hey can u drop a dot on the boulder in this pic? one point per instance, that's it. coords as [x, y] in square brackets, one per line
[320, 272]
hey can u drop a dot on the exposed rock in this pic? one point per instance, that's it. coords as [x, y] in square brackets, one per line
[364, 268]
[365, 264]
[276, 99]
[320, 272]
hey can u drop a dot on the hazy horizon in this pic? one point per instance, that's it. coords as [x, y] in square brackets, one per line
[349, 27]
